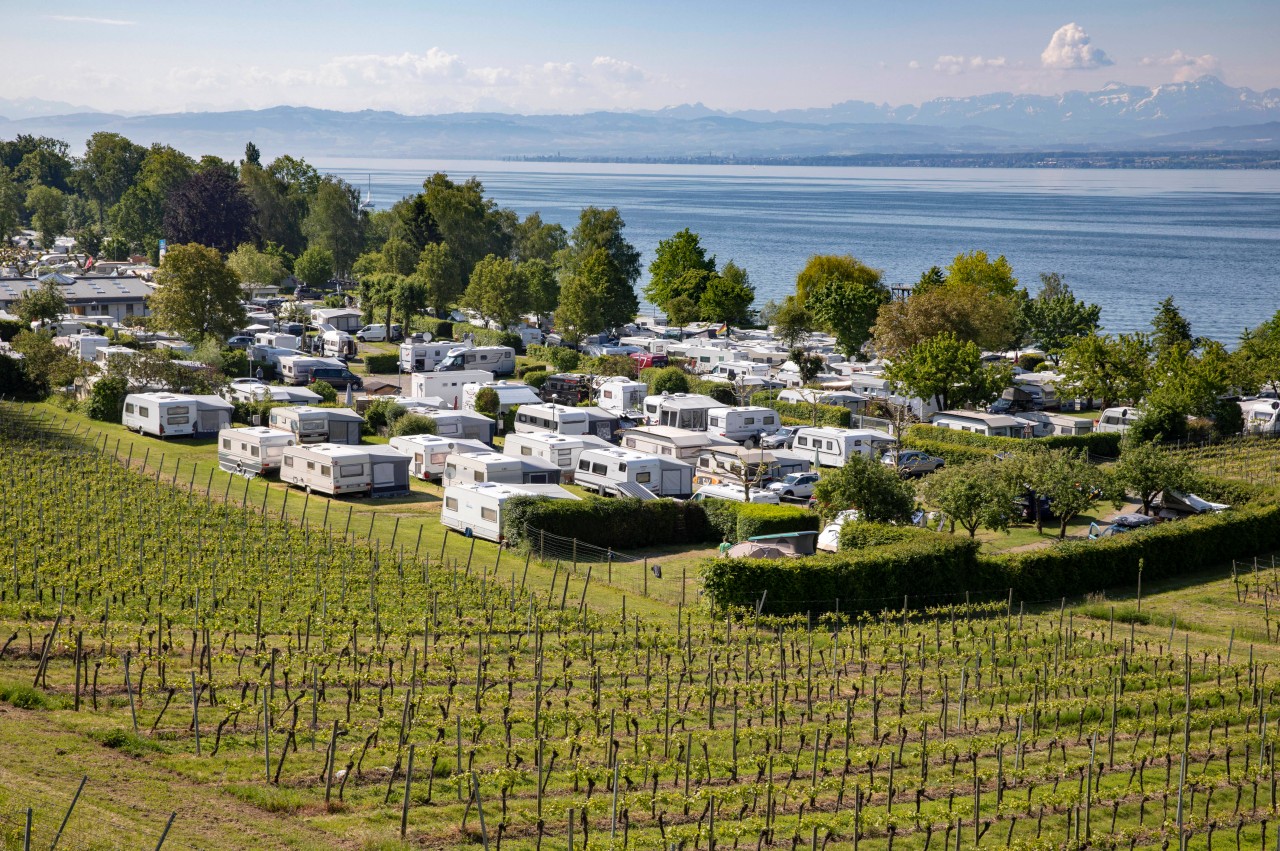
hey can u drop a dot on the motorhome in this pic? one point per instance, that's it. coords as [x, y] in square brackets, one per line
[256, 450]
[743, 425]
[297, 369]
[417, 356]
[475, 508]
[558, 449]
[1261, 416]
[160, 414]
[621, 395]
[622, 472]
[832, 447]
[1116, 420]
[337, 344]
[730, 464]
[500, 360]
[681, 410]
[510, 394]
[977, 422]
[327, 468]
[490, 466]
[549, 417]
[668, 442]
[318, 425]
[447, 385]
[427, 452]
[731, 493]
[567, 388]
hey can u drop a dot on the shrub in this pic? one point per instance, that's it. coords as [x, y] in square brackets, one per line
[618, 524]
[10, 328]
[328, 393]
[440, 329]
[536, 378]
[380, 414]
[668, 379]
[106, 399]
[857, 535]
[23, 697]
[486, 401]
[382, 364]
[757, 519]
[412, 424]
[1030, 362]
[718, 390]
[1105, 444]
[524, 369]
[793, 413]
[611, 365]
[562, 358]
[489, 337]
[126, 742]
[952, 453]
[234, 362]
[244, 412]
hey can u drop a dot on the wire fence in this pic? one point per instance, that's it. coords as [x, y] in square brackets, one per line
[84, 822]
[635, 574]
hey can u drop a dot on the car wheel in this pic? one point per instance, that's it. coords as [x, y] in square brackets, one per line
[789, 494]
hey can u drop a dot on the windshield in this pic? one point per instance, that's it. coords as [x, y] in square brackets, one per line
[792, 478]
[452, 360]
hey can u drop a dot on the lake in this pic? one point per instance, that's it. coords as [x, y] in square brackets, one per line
[1124, 239]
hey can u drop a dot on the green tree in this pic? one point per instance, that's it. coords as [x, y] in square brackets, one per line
[10, 205]
[487, 402]
[196, 294]
[210, 208]
[975, 268]
[497, 291]
[398, 256]
[949, 371]
[821, 268]
[411, 220]
[1055, 317]
[674, 258]
[876, 490]
[848, 309]
[467, 221]
[1072, 485]
[808, 365]
[106, 399]
[792, 322]
[48, 208]
[963, 309]
[409, 299]
[602, 229]
[335, 221]
[932, 278]
[728, 296]
[110, 166]
[252, 266]
[314, 267]
[539, 240]
[976, 496]
[439, 270]
[668, 379]
[1169, 327]
[278, 213]
[1145, 469]
[45, 364]
[413, 424]
[1257, 357]
[683, 310]
[584, 297]
[327, 392]
[43, 304]
[542, 285]
[1109, 369]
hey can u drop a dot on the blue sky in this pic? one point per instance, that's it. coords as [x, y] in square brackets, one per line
[574, 56]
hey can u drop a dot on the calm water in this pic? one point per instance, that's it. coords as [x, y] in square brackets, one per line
[1123, 239]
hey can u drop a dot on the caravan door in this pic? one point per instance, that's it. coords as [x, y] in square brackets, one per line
[208, 422]
[604, 431]
[670, 482]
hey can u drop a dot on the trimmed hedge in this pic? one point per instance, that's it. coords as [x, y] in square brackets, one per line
[952, 453]
[619, 524]
[440, 329]
[1106, 444]
[381, 364]
[801, 413]
[858, 535]
[737, 521]
[868, 578]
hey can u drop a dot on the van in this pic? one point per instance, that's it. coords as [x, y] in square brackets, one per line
[297, 369]
[337, 377]
[731, 493]
[253, 451]
[500, 360]
[424, 357]
[1116, 420]
[377, 333]
[327, 468]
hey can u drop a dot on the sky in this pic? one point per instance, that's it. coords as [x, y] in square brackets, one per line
[569, 56]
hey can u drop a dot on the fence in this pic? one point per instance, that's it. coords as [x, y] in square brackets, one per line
[645, 575]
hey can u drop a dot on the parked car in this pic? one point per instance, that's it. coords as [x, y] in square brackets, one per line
[378, 333]
[240, 341]
[795, 485]
[912, 462]
[338, 378]
[1119, 524]
[297, 329]
[780, 439]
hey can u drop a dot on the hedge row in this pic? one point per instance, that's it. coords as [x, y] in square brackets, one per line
[801, 413]
[738, 521]
[381, 364]
[952, 453]
[620, 524]
[1106, 444]
[867, 578]
[440, 329]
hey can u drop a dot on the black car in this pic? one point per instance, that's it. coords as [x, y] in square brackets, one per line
[337, 377]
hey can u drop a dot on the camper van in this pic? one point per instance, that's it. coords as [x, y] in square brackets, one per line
[1261, 416]
[297, 369]
[621, 394]
[160, 414]
[427, 452]
[1116, 420]
[337, 344]
[743, 425]
[558, 449]
[256, 450]
[567, 388]
[447, 385]
[475, 508]
[681, 410]
[622, 472]
[510, 394]
[832, 447]
[490, 466]
[500, 360]
[416, 356]
[553, 418]
[328, 468]
[318, 425]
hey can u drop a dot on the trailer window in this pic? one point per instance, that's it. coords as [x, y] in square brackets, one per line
[288, 460]
[143, 411]
[478, 475]
[226, 443]
[599, 469]
[180, 410]
[325, 470]
[349, 470]
[311, 465]
[526, 450]
[630, 442]
[253, 451]
[584, 465]
[749, 421]
[178, 420]
[767, 420]
[128, 408]
[644, 478]
[450, 470]
[451, 503]
[488, 514]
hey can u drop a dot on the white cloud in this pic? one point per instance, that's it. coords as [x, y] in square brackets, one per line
[1070, 48]
[619, 70]
[914, 65]
[1189, 67]
[954, 65]
[83, 19]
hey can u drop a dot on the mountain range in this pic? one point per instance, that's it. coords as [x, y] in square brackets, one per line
[1202, 115]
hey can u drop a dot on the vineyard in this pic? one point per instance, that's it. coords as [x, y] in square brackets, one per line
[1252, 459]
[345, 693]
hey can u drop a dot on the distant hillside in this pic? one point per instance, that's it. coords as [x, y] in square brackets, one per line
[1202, 115]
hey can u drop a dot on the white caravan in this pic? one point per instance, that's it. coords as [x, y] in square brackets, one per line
[318, 425]
[669, 442]
[462, 424]
[417, 356]
[681, 410]
[475, 509]
[277, 341]
[427, 452]
[622, 394]
[1116, 420]
[744, 424]
[977, 422]
[447, 385]
[160, 414]
[1261, 416]
[256, 450]
[548, 446]
[622, 472]
[731, 493]
[510, 394]
[490, 466]
[328, 468]
[500, 360]
[560, 419]
[832, 447]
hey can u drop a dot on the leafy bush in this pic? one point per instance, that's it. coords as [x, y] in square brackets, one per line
[562, 358]
[952, 453]
[1105, 444]
[1030, 362]
[382, 364]
[857, 535]
[486, 401]
[328, 393]
[412, 424]
[126, 742]
[23, 697]
[381, 413]
[537, 378]
[718, 390]
[244, 412]
[489, 337]
[106, 399]
[440, 329]
[10, 328]
[794, 413]
[620, 524]
[754, 519]
[610, 365]
[234, 363]
[668, 379]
